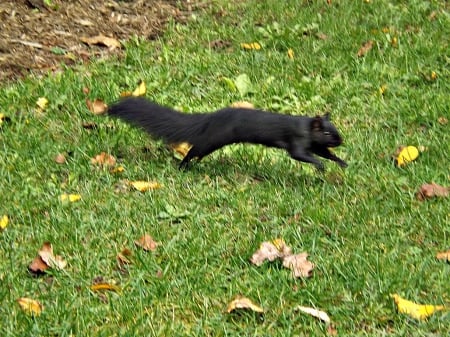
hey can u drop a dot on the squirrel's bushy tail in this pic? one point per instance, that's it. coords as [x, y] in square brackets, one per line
[161, 122]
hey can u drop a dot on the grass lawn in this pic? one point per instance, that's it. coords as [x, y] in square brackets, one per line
[365, 231]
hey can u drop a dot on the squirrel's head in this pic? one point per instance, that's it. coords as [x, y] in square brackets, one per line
[323, 132]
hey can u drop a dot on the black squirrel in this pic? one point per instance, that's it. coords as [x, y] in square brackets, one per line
[301, 136]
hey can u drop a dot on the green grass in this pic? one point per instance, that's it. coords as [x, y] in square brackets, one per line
[365, 231]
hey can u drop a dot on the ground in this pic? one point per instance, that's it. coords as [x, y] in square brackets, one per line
[40, 35]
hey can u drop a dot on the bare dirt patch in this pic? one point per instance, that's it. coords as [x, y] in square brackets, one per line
[39, 36]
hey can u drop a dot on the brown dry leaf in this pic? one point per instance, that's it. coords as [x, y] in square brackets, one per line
[97, 107]
[242, 105]
[331, 330]
[124, 256]
[270, 251]
[30, 306]
[103, 160]
[299, 264]
[442, 120]
[322, 315]
[428, 191]
[60, 158]
[243, 303]
[219, 44]
[89, 125]
[144, 186]
[147, 243]
[53, 261]
[105, 286]
[38, 266]
[102, 40]
[365, 48]
[444, 256]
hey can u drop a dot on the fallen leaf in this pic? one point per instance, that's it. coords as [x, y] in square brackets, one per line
[219, 44]
[242, 105]
[394, 41]
[270, 251]
[365, 48]
[251, 46]
[406, 155]
[290, 53]
[444, 256]
[428, 191]
[414, 310]
[433, 76]
[124, 256]
[147, 243]
[30, 306]
[60, 158]
[105, 286]
[102, 40]
[243, 84]
[42, 103]
[4, 118]
[103, 160]
[89, 125]
[51, 260]
[70, 197]
[144, 186]
[118, 169]
[442, 120]
[38, 266]
[322, 315]
[4, 222]
[140, 90]
[299, 264]
[331, 330]
[97, 107]
[181, 149]
[243, 303]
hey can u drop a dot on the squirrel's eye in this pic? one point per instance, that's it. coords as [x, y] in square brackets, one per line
[326, 133]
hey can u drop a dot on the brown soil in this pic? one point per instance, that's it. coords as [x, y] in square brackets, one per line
[40, 35]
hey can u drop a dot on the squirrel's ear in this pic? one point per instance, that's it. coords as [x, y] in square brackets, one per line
[317, 123]
[327, 116]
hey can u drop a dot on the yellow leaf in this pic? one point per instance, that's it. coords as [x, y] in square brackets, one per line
[243, 303]
[105, 286]
[3, 118]
[70, 197]
[118, 169]
[417, 311]
[42, 103]
[290, 53]
[433, 75]
[143, 186]
[4, 222]
[251, 46]
[30, 306]
[140, 90]
[406, 155]
[181, 148]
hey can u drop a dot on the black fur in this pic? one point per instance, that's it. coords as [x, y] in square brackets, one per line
[301, 136]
